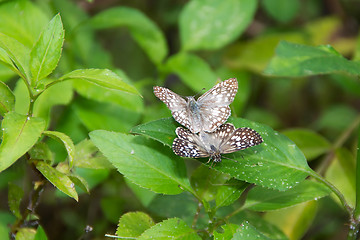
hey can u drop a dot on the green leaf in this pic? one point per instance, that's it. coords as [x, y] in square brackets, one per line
[294, 221]
[212, 24]
[311, 143]
[18, 56]
[133, 224]
[58, 179]
[263, 199]
[80, 182]
[7, 99]
[22, 20]
[228, 232]
[15, 195]
[4, 231]
[173, 228]
[277, 163]
[20, 133]
[206, 182]
[230, 192]
[145, 196]
[247, 231]
[161, 130]
[25, 234]
[295, 60]
[102, 77]
[40, 234]
[66, 140]
[89, 156]
[193, 71]
[281, 10]
[255, 54]
[341, 173]
[143, 30]
[134, 103]
[142, 161]
[45, 55]
[41, 151]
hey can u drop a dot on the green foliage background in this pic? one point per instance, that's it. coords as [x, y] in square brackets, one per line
[86, 146]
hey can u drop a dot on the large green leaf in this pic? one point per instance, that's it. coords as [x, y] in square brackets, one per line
[277, 163]
[173, 228]
[193, 71]
[20, 133]
[22, 20]
[230, 192]
[311, 143]
[143, 161]
[227, 233]
[45, 55]
[7, 99]
[101, 77]
[295, 60]
[58, 179]
[212, 24]
[246, 231]
[17, 55]
[143, 30]
[133, 224]
[282, 10]
[263, 199]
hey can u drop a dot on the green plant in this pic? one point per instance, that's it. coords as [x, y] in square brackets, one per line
[268, 192]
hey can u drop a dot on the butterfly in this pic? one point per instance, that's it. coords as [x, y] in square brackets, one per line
[226, 139]
[206, 113]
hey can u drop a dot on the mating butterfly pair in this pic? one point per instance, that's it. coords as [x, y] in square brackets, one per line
[206, 116]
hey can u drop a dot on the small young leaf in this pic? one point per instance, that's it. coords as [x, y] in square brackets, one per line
[45, 55]
[193, 71]
[25, 234]
[66, 140]
[143, 30]
[248, 232]
[40, 234]
[101, 77]
[133, 224]
[212, 24]
[228, 232]
[58, 179]
[7, 99]
[14, 198]
[263, 199]
[230, 192]
[143, 161]
[295, 60]
[173, 228]
[41, 151]
[20, 133]
[80, 182]
[311, 143]
[4, 231]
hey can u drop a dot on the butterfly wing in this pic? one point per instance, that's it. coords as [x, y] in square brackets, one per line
[188, 145]
[175, 103]
[214, 104]
[241, 138]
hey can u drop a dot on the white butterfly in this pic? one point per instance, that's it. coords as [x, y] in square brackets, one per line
[226, 139]
[206, 113]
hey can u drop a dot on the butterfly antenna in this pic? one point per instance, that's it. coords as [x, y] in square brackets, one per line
[231, 158]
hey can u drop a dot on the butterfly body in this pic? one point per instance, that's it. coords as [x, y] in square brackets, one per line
[226, 139]
[206, 113]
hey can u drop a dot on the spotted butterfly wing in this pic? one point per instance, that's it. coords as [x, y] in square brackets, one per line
[205, 114]
[175, 103]
[188, 144]
[214, 104]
